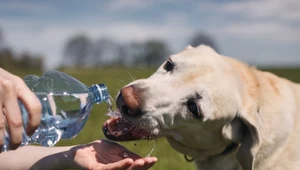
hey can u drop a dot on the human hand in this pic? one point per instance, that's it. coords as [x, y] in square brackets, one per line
[13, 88]
[108, 155]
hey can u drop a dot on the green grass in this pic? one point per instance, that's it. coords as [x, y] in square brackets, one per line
[115, 79]
[292, 74]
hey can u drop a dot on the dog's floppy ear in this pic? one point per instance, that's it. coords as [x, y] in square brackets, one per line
[233, 131]
[250, 141]
[243, 130]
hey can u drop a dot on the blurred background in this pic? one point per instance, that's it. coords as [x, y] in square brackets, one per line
[116, 41]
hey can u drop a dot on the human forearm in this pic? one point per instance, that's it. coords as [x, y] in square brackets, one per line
[35, 157]
[99, 154]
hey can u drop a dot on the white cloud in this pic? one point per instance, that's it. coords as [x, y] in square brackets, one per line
[266, 9]
[262, 20]
[121, 5]
[137, 5]
[270, 31]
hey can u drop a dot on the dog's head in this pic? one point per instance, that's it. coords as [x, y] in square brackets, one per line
[195, 100]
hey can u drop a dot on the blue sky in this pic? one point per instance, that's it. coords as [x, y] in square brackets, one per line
[265, 32]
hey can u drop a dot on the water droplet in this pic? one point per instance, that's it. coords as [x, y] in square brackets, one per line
[152, 149]
[135, 143]
[125, 155]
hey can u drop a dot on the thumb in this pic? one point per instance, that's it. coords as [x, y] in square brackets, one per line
[120, 165]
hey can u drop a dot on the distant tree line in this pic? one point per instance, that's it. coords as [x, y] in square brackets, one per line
[81, 51]
[11, 61]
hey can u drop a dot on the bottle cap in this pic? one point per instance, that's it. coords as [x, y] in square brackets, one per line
[101, 92]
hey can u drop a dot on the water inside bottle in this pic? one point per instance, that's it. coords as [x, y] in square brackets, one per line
[67, 109]
[64, 115]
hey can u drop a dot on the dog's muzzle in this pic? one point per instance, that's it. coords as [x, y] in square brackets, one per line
[129, 102]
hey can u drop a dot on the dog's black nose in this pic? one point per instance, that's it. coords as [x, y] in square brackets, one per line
[128, 101]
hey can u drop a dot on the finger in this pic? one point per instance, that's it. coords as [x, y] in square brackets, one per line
[137, 165]
[2, 128]
[148, 166]
[12, 113]
[32, 105]
[149, 162]
[120, 165]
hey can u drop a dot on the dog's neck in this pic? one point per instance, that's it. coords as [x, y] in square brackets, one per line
[224, 160]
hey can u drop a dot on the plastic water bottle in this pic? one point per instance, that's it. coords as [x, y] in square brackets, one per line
[66, 104]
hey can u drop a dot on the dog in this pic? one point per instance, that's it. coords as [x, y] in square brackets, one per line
[219, 111]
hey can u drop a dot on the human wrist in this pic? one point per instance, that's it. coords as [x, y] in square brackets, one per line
[47, 158]
[69, 156]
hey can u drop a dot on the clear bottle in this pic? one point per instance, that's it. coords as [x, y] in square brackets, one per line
[66, 104]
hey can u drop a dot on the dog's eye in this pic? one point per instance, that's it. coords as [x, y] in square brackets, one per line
[193, 108]
[169, 66]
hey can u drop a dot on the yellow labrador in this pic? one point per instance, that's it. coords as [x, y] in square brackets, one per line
[217, 110]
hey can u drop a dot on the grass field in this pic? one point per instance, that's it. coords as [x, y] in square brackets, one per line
[115, 79]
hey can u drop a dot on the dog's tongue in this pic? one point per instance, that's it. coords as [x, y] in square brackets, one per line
[118, 129]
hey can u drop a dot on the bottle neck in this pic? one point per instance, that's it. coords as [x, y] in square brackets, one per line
[100, 93]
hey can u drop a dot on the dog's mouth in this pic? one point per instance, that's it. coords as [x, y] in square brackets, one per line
[118, 128]
[123, 124]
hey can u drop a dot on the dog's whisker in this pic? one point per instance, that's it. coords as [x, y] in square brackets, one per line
[121, 85]
[124, 84]
[132, 78]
